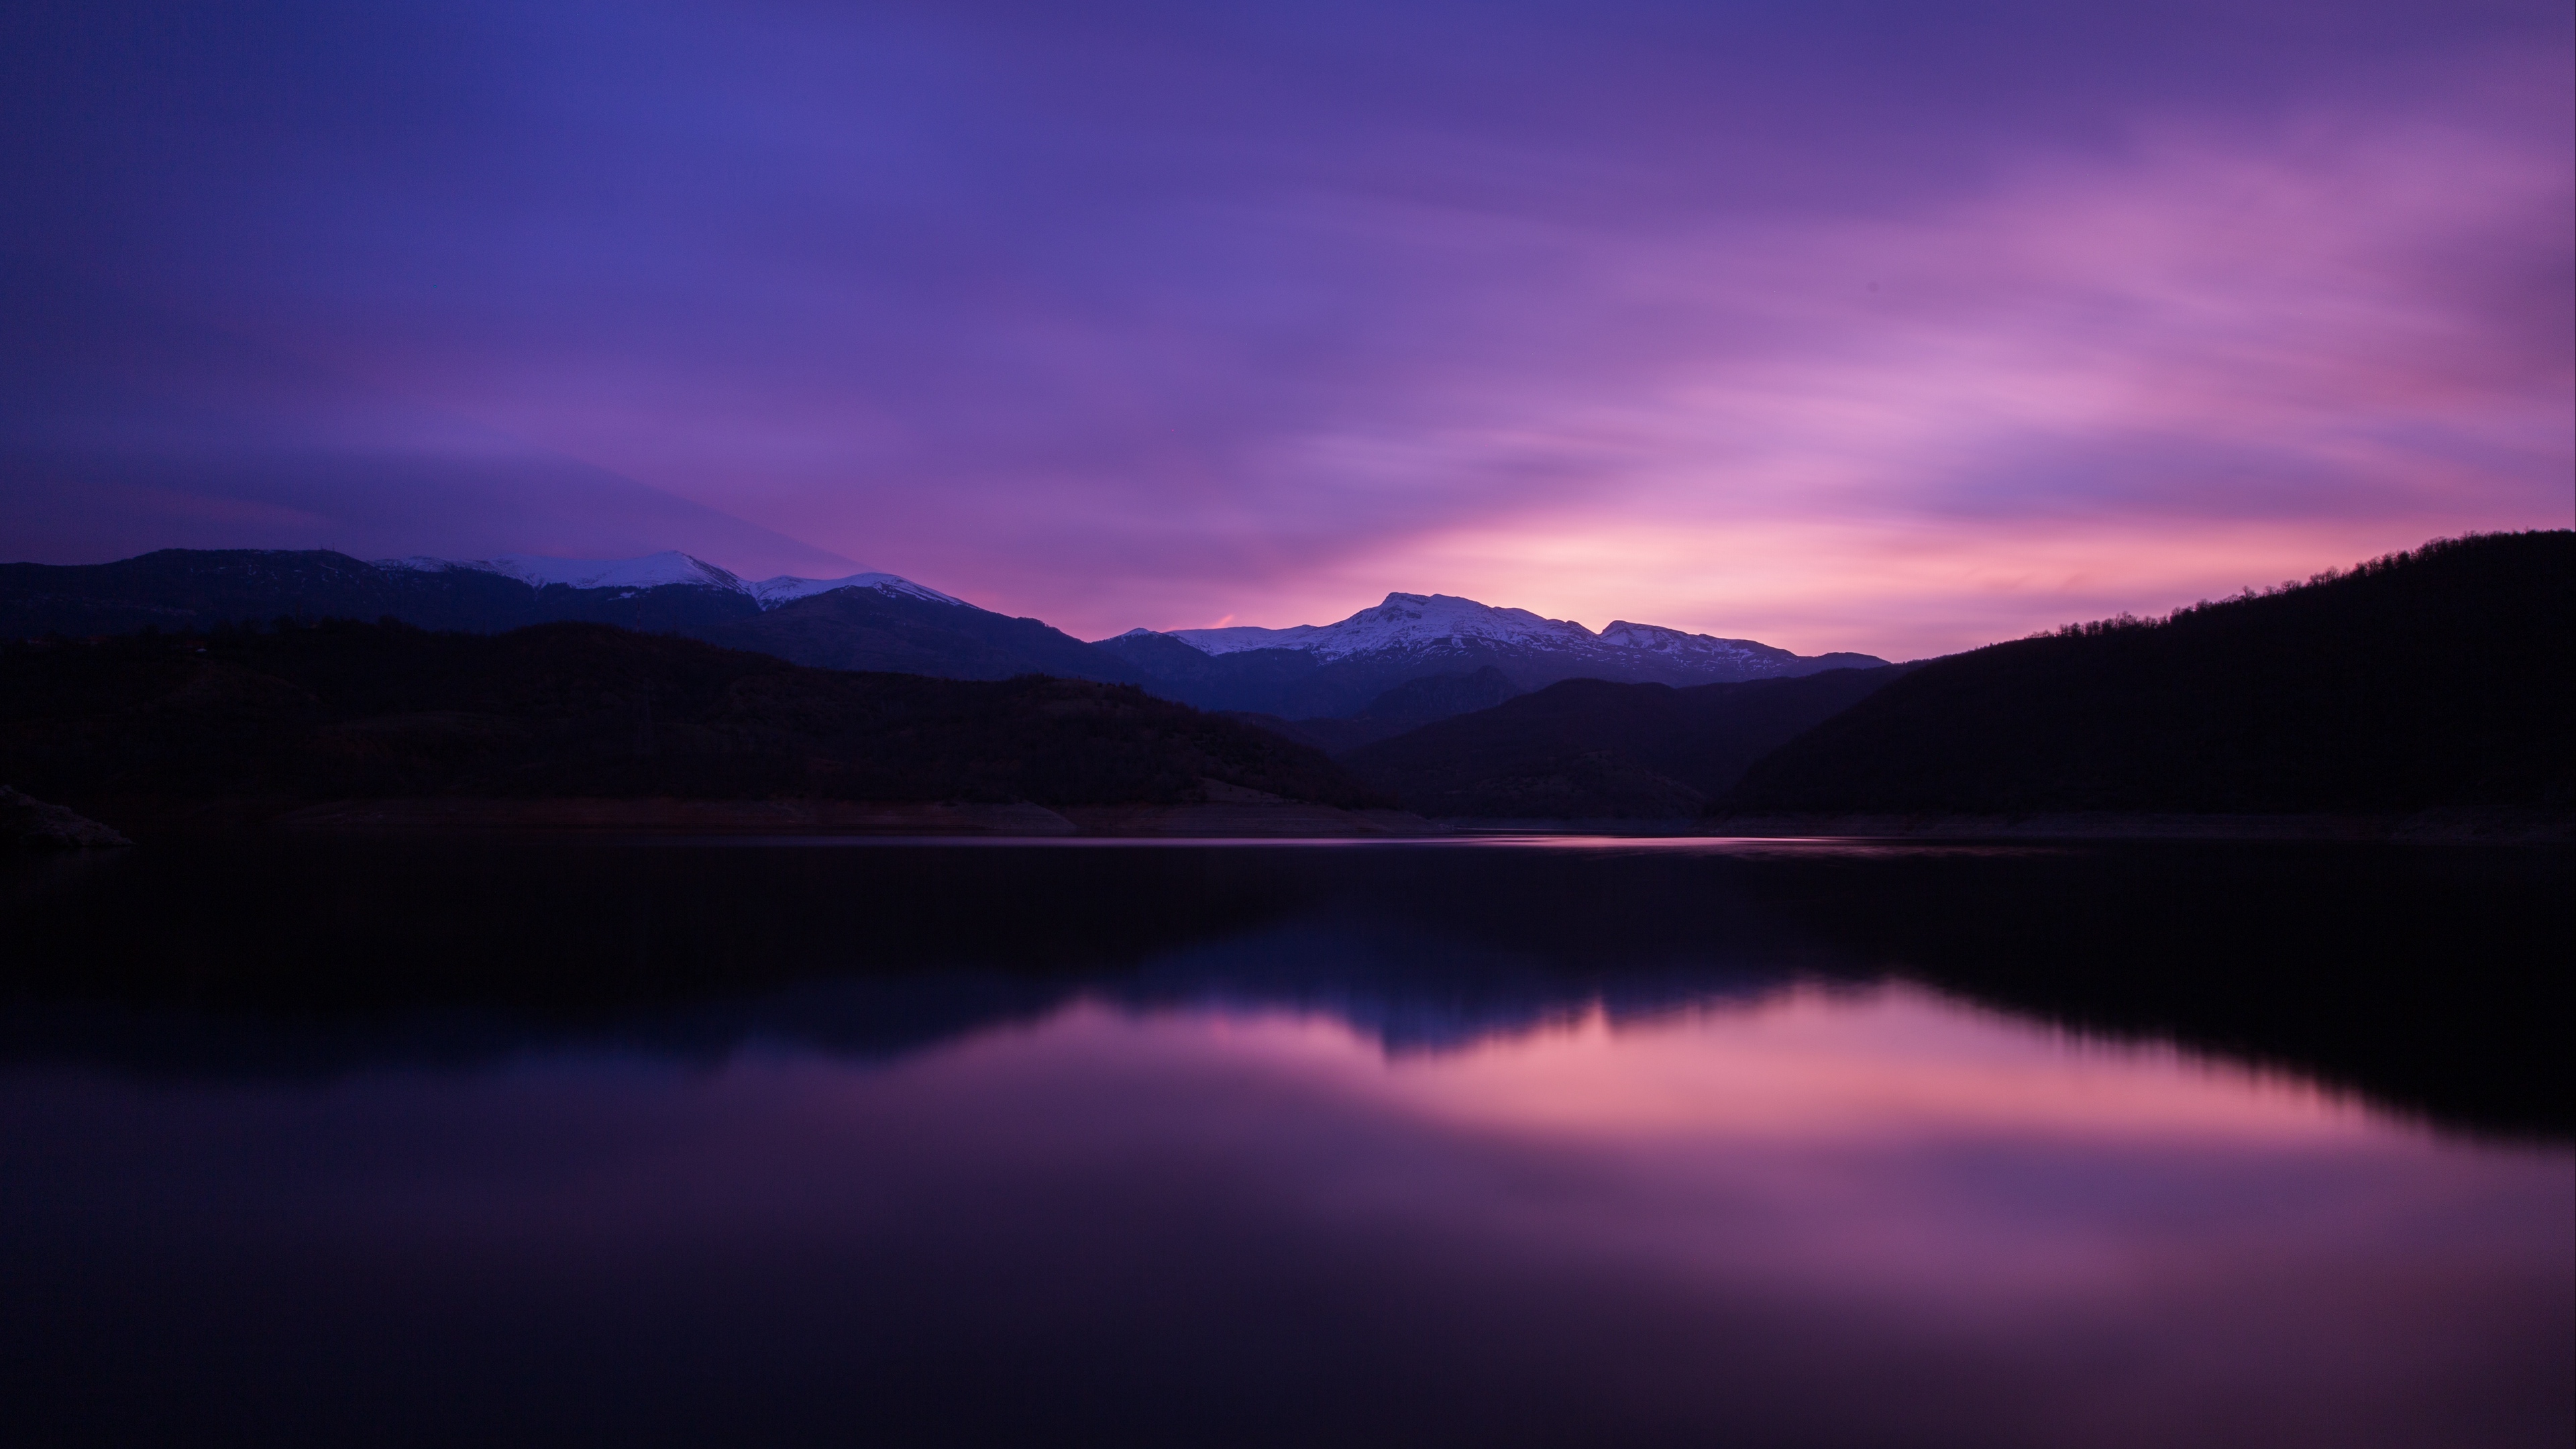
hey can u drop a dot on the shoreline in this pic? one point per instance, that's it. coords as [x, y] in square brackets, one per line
[1226, 819]
[2491, 827]
[1276, 820]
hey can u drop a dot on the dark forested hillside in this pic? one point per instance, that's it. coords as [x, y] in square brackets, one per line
[2433, 678]
[348, 710]
[1591, 749]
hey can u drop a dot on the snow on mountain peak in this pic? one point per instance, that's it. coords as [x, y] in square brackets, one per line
[773, 592]
[651, 571]
[667, 567]
[1420, 622]
[1676, 643]
[1236, 638]
[1403, 621]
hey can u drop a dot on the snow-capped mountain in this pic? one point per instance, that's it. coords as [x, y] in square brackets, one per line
[783, 589]
[870, 621]
[1331, 669]
[1681, 646]
[874, 621]
[652, 571]
[1413, 622]
[664, 569]
[1404, 621]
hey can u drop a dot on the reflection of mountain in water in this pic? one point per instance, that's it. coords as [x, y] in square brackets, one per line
[1407, 989]
[1416, 990]
[2425, 978]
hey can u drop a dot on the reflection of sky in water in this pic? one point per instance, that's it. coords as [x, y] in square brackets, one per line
[1821, 1215]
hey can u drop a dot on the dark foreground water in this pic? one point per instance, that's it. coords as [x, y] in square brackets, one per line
[1595, 1144]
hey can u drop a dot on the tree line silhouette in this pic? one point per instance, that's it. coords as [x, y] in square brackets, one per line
[2433, 678]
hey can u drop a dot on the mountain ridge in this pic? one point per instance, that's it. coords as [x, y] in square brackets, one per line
[664, 569]
[1419, 621]
[886, 622]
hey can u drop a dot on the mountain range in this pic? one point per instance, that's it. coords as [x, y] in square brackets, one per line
[2431, 680]
[883, 622]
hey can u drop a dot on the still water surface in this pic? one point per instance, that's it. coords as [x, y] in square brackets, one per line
[739, 1144]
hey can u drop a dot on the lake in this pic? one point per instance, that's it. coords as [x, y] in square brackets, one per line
[1469, 1142]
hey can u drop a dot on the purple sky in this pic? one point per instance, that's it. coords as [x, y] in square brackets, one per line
[1898, 327]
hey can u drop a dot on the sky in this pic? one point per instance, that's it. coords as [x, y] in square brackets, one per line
[1896, 327]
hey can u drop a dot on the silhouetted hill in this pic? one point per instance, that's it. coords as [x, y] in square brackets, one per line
[1592, 749]
[870, 630]
[182, 588]
[1332, 736]
[346, 710]
[1408, 706]
[1442, 696]
[2433, 678]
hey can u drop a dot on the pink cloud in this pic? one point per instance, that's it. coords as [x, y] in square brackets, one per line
[2221, 361]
